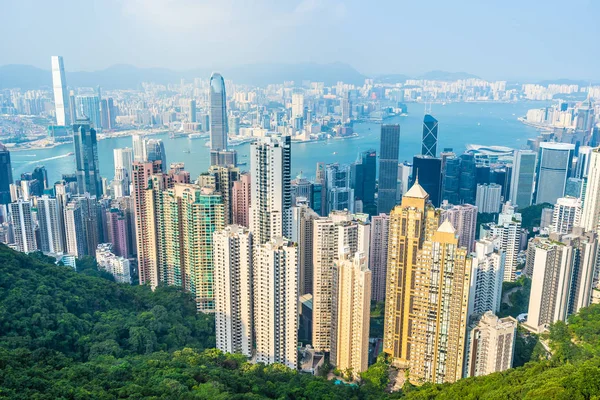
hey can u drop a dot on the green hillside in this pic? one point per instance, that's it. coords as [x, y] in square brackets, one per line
[68, 335]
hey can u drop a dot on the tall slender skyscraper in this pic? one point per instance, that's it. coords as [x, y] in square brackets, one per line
[6, 177]
[351, 314]
[218, 113]
[487, 275]
[553, 169]
[20, 212]
[271, 195]
[523, 173]
[276, 302]
[427, 292]
[51, 235]
[59, 86]
[333, 237]
[232, 255]
[303, 218]
[430, 135]
[240, 200]
[86, 156]
[388, 168]
[378, 255]
[144, 217]
[364, 181]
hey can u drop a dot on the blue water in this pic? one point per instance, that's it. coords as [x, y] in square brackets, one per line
[459, 124]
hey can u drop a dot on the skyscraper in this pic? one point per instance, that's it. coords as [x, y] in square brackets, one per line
[222, 178]
[491, 345]
[463, 218]
[303, 218]
[591, 206]
[59, 86]
[270, 211]
[138, 147]
[240, 203]
[427, 292]
[488, 198]
[430, 134]
[218, 113]
[340, 233]
[123, 159]
[523, 173]
[154, 149]
[563, 273]
[351, 314]
[75, 231]
[51, 235]
[583, 162]
[566, 215]
[144, 218]
[388, 168]
[428, 170]
[378, 255]
[487, 275]
[340, 195]
[552, 171]
[507, 234]
[20, 213]
[6, 177]
[233, 277]
[89, 107]
[86, 157]
[364, 181]
[276, 302]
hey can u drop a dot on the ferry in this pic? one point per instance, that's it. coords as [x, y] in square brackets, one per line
[197, 135]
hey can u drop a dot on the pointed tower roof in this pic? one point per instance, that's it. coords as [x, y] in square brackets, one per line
[446, 227]
[416, 191]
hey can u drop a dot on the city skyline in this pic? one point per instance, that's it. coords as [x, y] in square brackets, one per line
[518, 40]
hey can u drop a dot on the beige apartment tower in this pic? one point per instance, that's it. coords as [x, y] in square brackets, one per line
[427, 292]
[352, 311]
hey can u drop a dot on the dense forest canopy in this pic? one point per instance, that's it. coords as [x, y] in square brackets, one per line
[78, 335]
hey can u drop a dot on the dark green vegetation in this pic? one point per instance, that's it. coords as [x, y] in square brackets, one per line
[377, 315]
[68, 335]
[515, 297]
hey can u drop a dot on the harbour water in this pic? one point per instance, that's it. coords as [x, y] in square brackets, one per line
[459, 124]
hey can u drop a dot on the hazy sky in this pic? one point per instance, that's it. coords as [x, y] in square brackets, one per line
[493, 39]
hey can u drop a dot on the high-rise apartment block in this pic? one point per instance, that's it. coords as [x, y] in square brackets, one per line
[487, 275]
[233, 287]
[240, 200]
[303, 218]
[270, 211]
[378, 253]
[276, 302]
[115, 265]
[563, 274]
[491, 345]
[590, 217]
[489, 198]
[463, 218]
[340, 233]
[566, 215]
[351, 313]
[427, 292]
[51, 225]
[21, 216]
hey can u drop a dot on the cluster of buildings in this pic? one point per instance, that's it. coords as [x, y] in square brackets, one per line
[274, 257]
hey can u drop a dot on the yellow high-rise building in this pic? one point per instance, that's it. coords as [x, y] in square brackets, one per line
[427, 292]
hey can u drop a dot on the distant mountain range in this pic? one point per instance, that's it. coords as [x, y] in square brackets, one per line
[130, 77]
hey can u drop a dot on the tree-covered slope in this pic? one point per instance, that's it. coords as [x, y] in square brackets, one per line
[68, 335]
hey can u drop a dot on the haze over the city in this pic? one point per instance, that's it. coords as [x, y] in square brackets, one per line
[495, 40]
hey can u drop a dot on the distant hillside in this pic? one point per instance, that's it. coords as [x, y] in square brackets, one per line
[130, 77]
[446, 76]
